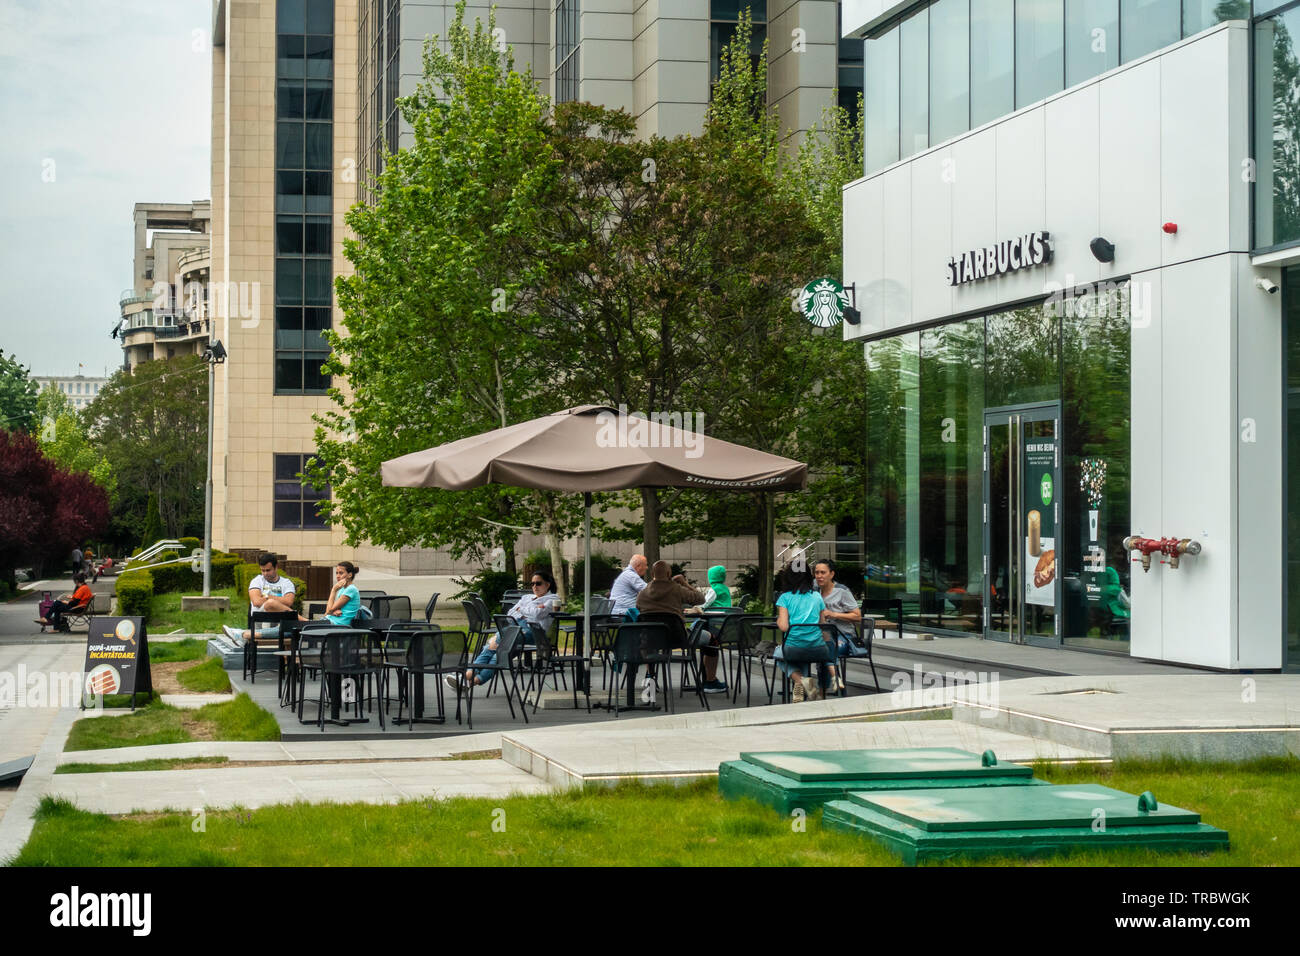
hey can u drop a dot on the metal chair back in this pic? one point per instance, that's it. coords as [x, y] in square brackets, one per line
[428, 608]
[643, 643]
[675, 626]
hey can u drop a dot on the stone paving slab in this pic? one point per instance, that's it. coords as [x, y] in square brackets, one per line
[340, 750]
[195, 701]
[1202, 716]
[252, 787]
[678, 755]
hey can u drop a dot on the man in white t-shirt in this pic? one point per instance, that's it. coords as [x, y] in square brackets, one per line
[629, 584]
[269, 591]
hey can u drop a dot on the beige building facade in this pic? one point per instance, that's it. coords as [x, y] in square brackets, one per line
[304, 99]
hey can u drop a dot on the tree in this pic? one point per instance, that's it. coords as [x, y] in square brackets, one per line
[152, 424]
[17, 395]
[432, 312]
[45, 511]
[63, 439]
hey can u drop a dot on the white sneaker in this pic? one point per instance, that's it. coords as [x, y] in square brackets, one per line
[233, 633]
[810, 689]
[647, 691]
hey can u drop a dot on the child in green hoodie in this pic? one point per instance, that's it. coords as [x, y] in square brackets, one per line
[716, 595]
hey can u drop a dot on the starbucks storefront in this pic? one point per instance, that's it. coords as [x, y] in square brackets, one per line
[998, 472]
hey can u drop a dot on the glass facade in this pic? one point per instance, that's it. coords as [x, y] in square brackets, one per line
[1277, 130]
[566, 51]
[928, 394]
[304, 145]
[957, 64]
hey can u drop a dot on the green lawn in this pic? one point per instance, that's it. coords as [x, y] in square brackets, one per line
[206, 678]
[159, 723]
[166, 615]
[631, 826]
[190, 649]
[176, 763]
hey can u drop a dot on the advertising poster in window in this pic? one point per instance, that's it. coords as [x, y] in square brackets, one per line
[1039, 469]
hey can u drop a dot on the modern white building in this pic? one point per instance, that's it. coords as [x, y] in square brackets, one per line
[1076, 266]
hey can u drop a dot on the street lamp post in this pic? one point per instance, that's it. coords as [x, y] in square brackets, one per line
[213, 356]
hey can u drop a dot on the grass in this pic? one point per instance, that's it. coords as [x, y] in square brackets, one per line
[633, 825]
[165, 613]
[190, 649]
[175, 763]
[159, 723]
[206, 678]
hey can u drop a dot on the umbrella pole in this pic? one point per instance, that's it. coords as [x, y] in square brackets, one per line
[586, 597]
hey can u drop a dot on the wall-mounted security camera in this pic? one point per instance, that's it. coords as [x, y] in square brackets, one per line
[1102, 250]
[1268, 285]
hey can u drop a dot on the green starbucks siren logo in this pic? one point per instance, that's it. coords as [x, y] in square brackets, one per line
[1046, 489]
[823, 302]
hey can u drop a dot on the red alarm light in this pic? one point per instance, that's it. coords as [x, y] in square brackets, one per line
[1170, 227]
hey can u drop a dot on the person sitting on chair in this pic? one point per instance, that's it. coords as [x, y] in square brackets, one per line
[842, 611]
[78, 600]
[670, 594]
[270, 591]
[530, 611]
[799, 610]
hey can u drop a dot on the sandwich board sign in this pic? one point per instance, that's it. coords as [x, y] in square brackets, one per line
[117, 659]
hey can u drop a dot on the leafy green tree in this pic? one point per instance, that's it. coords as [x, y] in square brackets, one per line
[152, 424]
[17, 395]
[63, 439]
[433, 350]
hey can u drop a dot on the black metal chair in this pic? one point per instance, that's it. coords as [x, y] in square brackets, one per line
[687, 644]
[256, 617]
[346, 654]
[307, 660]
[547, 658]
[428, 608]
[864, 633]
[736, 637]
[421, 656]
[391, 607]
[643, 644]
[506, 666]
[603, 629]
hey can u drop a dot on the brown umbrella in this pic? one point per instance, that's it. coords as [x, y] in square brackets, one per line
[595, 448]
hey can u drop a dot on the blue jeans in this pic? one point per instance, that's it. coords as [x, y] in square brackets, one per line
[485, 656]
[794, 659]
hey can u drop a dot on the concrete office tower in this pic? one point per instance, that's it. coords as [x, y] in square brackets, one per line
[304, 101]
[164, 312]
[1068, 258]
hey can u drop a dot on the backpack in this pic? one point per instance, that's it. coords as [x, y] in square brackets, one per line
[47, 604]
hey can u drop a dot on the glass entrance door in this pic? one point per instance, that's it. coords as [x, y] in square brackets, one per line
[1022, 515]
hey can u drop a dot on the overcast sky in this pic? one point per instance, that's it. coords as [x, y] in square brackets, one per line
[103, 104]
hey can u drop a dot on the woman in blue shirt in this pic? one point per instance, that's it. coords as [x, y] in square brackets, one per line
[799, 611]
[345, 599]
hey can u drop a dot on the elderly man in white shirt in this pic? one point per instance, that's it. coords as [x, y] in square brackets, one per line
[629, 584]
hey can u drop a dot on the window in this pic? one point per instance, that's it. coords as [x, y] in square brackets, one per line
[992, 44]
[295, 500]
[1091, 38]
[1277, 129]
[304, 191]
[880, 100]
[1148, 25]
[949, 69]
[914, 93]
[1040, 52]
[723, 16]
[566, 51]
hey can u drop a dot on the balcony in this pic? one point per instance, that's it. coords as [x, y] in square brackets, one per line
[131, 297]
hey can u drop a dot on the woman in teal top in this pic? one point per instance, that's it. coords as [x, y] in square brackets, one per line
[799, 610]
[344, 599]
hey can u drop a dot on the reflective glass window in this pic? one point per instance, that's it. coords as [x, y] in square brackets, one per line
[949, 69]
[1148, 25]
[1040, 53]
[914, 82]
[880, 100]
[992, 60]
[1091, 38]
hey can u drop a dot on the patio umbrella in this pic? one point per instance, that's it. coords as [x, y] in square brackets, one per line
[594, 448]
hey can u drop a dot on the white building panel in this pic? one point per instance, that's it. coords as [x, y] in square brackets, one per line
[1129, 181]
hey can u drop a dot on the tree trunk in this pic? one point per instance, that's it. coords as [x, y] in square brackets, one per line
[650, 534]
[766, 547]
[509, 537]
[551, 532]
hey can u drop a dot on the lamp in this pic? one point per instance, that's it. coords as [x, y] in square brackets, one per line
[1102, 250]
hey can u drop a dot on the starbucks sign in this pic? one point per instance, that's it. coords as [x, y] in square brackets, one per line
[823, 302]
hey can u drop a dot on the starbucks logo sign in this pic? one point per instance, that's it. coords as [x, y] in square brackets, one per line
[823, 302]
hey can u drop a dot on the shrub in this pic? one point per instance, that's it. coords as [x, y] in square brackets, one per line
[747, 580]
[489, 585]
[135, 594]
[183, 577]
[539, 559]
[604, 569]
[243, 575]
[189, 544]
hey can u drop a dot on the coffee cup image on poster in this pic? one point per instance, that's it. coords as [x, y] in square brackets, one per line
[1039, 496]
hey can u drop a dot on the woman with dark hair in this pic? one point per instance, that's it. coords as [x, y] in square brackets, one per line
[799, 611]
[530, 611]
[345, 600]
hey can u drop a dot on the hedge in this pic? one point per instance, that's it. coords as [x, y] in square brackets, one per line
[182, 577]
[135, 594]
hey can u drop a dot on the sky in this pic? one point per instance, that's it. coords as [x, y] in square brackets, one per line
[103, 104]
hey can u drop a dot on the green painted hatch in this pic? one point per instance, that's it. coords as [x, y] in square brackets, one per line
[928, 762]
[1021, 808]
